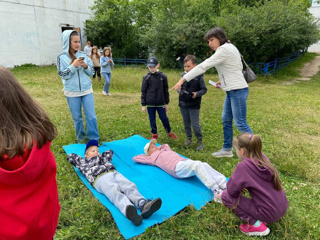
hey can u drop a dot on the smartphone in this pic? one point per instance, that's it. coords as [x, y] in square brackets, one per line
[81, 58]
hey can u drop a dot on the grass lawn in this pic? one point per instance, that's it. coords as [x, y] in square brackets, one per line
[286, 116]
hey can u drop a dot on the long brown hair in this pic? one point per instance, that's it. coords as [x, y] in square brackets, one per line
[104, 52]
[74, 33]
[252, 144]
[22, 120]
[92, 53]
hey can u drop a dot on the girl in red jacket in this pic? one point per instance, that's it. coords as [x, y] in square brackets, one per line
[29, 208]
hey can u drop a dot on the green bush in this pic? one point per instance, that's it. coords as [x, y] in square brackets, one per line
[271, 30]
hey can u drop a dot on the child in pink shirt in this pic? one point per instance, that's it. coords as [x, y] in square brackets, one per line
[180, 167]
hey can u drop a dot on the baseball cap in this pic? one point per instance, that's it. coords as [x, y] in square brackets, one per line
[152, 62]
[91, 143]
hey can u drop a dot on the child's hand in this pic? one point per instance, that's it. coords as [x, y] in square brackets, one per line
[77, 62]
[218, 84]
[243, 191]
[84, 65]
[166, 107]
[144, 109]
[194, 95]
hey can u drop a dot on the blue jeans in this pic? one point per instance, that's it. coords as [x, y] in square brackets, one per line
[163, 117]
[235, 107]
[75, 105]
[107, 78]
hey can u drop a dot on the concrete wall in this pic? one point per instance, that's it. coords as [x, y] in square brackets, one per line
[315, 10]
[30, 30]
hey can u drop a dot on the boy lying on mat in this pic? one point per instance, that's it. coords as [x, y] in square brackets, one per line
[101, 174]
[180, 167]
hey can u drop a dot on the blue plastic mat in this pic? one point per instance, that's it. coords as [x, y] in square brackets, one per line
[151, 181]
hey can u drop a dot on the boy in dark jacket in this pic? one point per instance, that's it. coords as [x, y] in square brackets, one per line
[190, 101]
[155, 97]
[101, 174]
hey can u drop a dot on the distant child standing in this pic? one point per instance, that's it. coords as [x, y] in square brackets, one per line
[95, 57]
[190, 101]
[29, 203]
[180, 167]
[102, 174]
[87, 49]
[255, 174]
[155, 97]
[106, 64]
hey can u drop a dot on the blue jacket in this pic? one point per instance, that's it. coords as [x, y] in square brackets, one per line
[105, 65]
[73, 79]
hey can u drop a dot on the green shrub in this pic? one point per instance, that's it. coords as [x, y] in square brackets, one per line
[271, 30]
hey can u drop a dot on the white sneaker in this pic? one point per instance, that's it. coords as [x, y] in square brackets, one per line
[104, 93]
[222, 153]
[109, 94]
[215, 193]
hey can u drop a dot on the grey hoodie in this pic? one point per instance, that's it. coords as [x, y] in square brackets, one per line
[73, 79]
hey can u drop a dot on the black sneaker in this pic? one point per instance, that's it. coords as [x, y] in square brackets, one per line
[132, 215]
[150, 207]
[199, 146]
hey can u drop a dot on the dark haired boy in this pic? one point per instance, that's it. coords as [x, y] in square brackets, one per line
[190, 101]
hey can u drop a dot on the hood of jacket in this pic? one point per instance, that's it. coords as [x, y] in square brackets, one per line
[65, 39]
[263, 172]
[28, 166]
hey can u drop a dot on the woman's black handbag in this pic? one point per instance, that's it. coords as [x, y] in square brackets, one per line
[248, 73]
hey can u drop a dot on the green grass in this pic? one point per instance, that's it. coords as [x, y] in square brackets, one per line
[286, 116]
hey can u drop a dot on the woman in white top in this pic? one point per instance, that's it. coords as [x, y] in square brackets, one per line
[227, 61]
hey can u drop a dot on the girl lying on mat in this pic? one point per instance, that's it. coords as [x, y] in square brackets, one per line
[180, 167]
[101, 174]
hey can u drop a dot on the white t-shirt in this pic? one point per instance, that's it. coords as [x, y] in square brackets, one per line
[87, 50]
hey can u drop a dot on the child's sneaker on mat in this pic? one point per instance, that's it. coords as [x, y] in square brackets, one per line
[150, 207]
[155, 136]
[223, 153]
[216, 192]
[172, 135]
[251, 230]
[132, 215]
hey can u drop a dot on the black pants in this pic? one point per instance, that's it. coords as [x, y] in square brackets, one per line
[97, 71]
[163, 117]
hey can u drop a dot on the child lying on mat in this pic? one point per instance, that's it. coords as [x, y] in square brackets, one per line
[179, 167]
[101, 174]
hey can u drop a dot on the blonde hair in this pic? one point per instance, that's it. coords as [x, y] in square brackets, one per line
[104, 52]
[252, 144]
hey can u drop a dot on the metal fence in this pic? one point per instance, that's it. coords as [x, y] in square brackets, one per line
[278, 63]
[259, 68]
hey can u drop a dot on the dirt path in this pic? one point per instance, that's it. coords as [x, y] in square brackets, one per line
[309, 69]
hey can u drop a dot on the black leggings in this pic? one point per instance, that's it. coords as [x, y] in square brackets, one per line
[97, 71]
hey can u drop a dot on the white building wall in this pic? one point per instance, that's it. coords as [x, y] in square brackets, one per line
[30, 30]
[315, 10]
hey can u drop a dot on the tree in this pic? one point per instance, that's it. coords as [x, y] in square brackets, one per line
[271, 30]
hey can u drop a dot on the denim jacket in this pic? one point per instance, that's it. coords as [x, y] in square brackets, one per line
[105, 65]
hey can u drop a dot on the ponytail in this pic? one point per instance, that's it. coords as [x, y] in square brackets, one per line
[253, 146]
